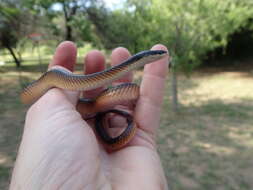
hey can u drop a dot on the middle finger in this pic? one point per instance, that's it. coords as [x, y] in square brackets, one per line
[118, 56]
[93, 62]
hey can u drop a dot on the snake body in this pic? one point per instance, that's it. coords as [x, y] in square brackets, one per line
[107, 99]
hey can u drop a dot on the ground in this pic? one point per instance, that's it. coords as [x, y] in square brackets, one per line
[208, 144]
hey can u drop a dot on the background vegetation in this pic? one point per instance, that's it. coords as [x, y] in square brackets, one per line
[206, 141]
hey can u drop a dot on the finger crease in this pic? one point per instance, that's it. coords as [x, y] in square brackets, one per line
[154, 76]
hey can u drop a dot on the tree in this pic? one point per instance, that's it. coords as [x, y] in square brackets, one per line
[10, 26]
[196, 27]
[71, 12]
[189, 28]
[127, 26]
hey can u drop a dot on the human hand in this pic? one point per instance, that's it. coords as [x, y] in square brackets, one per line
[59, 150]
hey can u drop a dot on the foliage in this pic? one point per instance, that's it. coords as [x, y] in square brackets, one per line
[126, 27]
[67, 18]
[12, 25]
[189, 28]
[7, 16]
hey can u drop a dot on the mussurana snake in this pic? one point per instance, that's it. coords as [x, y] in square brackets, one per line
[98, 108]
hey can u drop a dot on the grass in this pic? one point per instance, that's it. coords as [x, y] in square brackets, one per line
[30, 53]
[207, 145]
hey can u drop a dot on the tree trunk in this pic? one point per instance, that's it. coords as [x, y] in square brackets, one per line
[174, 90]
[39, 56]
[69, 11]
[68, 32]
[17, 61]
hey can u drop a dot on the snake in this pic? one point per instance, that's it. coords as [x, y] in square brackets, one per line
[99, 107]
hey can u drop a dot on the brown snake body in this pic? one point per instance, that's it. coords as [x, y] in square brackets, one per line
[106, 100]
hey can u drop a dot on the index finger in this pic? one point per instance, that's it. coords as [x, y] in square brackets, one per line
[65, 56]
[94, 62]
[148, 107]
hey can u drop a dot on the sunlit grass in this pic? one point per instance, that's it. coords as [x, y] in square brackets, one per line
[32, 54]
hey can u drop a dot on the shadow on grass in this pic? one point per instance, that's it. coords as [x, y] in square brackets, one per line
[241, 109]
[4, 176]
[26, 68]
[12, 114]
[209, 146]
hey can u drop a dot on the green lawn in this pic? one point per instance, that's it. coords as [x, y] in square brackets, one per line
[207, 145]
